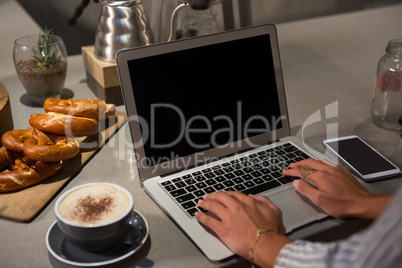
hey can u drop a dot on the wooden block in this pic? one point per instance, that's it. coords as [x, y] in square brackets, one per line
[6, 121]
[104, 72]
[102, 77]
[109, 94]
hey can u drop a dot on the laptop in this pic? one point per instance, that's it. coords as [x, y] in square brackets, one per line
[209, 114]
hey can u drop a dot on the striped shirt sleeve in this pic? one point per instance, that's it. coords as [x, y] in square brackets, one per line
[380, 245]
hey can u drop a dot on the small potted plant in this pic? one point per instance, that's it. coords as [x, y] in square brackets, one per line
[41, 65]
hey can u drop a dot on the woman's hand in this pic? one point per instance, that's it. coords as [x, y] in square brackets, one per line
[338, 192]
[236, 218]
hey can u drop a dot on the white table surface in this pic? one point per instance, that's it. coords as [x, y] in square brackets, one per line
[327, 62]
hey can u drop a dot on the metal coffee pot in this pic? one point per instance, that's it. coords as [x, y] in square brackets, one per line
[122, 24]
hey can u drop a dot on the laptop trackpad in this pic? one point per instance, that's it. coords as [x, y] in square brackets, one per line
[299, 209]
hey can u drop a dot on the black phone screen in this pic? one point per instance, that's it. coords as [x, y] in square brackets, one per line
[360, 156]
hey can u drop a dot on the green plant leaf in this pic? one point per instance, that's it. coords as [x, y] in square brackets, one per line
[46, 54]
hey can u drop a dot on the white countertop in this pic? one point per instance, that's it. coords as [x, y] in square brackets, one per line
[327, 62]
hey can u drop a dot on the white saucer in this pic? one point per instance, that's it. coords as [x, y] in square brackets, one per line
[66, 252]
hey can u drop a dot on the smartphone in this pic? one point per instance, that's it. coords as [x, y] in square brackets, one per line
[361, 158]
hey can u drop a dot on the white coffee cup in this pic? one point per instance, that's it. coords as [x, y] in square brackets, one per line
[96, 216]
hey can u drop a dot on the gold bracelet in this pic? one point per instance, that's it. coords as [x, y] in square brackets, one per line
[259, 233]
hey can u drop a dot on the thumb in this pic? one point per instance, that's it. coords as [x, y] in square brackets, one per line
[306, 189]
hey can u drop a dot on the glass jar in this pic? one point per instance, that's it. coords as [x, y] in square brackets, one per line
[197, 22]
[200, 18]
[386, 107]
[41, 66]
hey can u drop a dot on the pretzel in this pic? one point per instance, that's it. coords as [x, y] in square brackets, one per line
[51, 148]
[24, 174]
[38, 146]
[3, 158]
[14, 139]
[64, 124]
[95, 109]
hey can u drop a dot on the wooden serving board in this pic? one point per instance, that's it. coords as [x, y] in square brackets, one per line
[24, 205]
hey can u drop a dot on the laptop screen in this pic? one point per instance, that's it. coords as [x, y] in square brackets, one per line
[199, 98]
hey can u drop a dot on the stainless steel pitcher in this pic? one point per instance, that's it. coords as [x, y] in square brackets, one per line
[122, 24]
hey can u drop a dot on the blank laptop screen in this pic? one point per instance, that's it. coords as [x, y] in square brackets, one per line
[204, 97]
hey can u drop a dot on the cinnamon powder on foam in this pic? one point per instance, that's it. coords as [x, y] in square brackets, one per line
[91, 208]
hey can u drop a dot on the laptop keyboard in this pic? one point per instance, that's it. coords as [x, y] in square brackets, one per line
[251, 174]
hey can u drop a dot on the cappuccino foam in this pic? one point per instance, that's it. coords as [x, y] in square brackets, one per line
[94, 204]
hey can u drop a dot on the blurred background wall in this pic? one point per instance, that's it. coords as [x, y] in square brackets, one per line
[55, 14]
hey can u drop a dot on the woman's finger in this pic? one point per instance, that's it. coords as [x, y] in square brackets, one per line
[292, 172]
[313, 175]
[214, 207]
[307, 190]
[225, 198]
[209, 221]
[236, 195]
[311, 163]
[263, 200]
